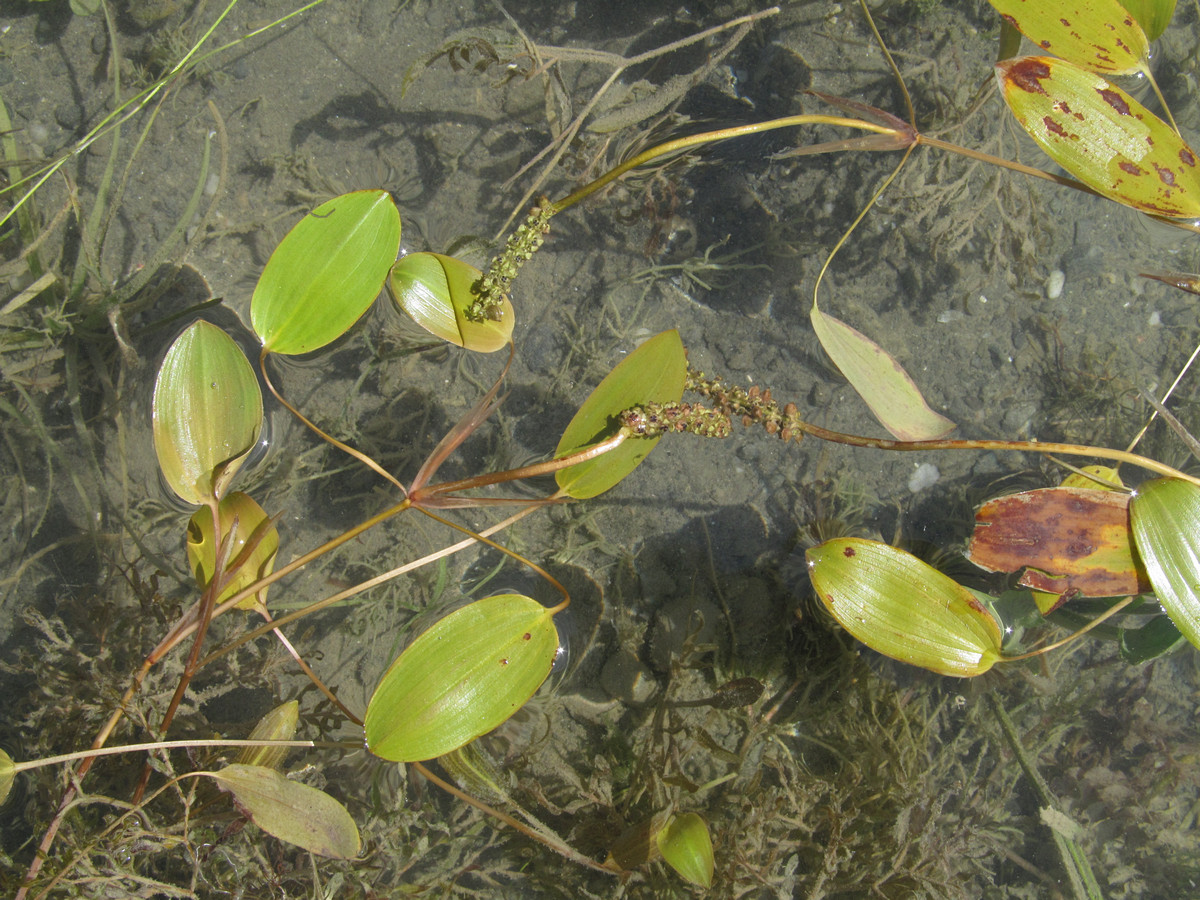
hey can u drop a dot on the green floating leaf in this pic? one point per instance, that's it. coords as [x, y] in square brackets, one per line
[460, 679]
[904, 608]
[277, 725]
[291, 811]
[1153, 15]
[1100, 35]
[1165, 514]
[892, 396]
[326, 272]
[1102, 136]
[8, 774]
[435, 291]
[207, 412]
[202, 546]
[653, 373]
[686, 846]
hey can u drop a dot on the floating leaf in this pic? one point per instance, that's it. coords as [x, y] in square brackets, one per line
[653, 373]
[1070, 541]
[202, 546]
[326, 272]
[879, 380]
[686, 846]
[904, 608]
[1165, 514]
[1100, 35]
[8, 774]
[1101, 478]
[1153, 15]
[1102, 136]
[435, 291]
[277, 725]
[291, 811]
[207, 412]
[463, 677]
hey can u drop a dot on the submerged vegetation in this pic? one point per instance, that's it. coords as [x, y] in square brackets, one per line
[704, 726]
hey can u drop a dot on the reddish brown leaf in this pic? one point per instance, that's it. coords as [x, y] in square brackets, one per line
[1068, 540]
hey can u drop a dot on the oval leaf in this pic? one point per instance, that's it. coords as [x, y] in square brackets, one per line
[881, 381]
[1153, 15]
[277, 725]
[326, 272]
[291, 811]
[435, 291]
[1100, 35]
[460, 679]
[1071, 541]
[686, 846]
[202, 545]
[207, 412]
[1165, 514]
[904, 608]
[653, 373]
[8, 774]
[1102, 136]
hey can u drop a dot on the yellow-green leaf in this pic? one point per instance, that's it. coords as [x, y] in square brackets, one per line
[653, 373]
[460, 679]
[326, 272]
[903, 607]
[1153, 15]
[435, 291]
[292, 811]
[1102, 136]
[882, 382]
[1100, 35]
[207, 412]
[202, 545]
[8, 774]
[1165, 515]
[687, 847]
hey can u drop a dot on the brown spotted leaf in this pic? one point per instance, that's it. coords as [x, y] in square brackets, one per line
[1101, 35]
[1102, 136]
[1070, 541]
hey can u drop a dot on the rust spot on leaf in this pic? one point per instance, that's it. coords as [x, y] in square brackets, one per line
[1165, 175]
[1187, 157]
[1027, 74]
[1131, 168]
[848, 552]
[1054, 128]
[1116, 101]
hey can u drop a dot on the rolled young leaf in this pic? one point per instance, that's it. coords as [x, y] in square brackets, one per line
[903, 607]
[460, 679]
[686, 846]
[1165, 514]
[326, 272]
[207, 412]
[1102, 136]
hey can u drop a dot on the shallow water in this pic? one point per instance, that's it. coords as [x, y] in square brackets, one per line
[851, 775]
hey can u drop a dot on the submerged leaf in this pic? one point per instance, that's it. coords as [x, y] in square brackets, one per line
[277, 725]
[1100, 35]
[1102, 136]
[653, 373]
[1070, 541]
[903, 607]
[8, 774]
[207, 412]
[880, 381]
[326, 272]
[687, 848]
[460, 679]
[1165, 514]
[202, 546]
[291, 811]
